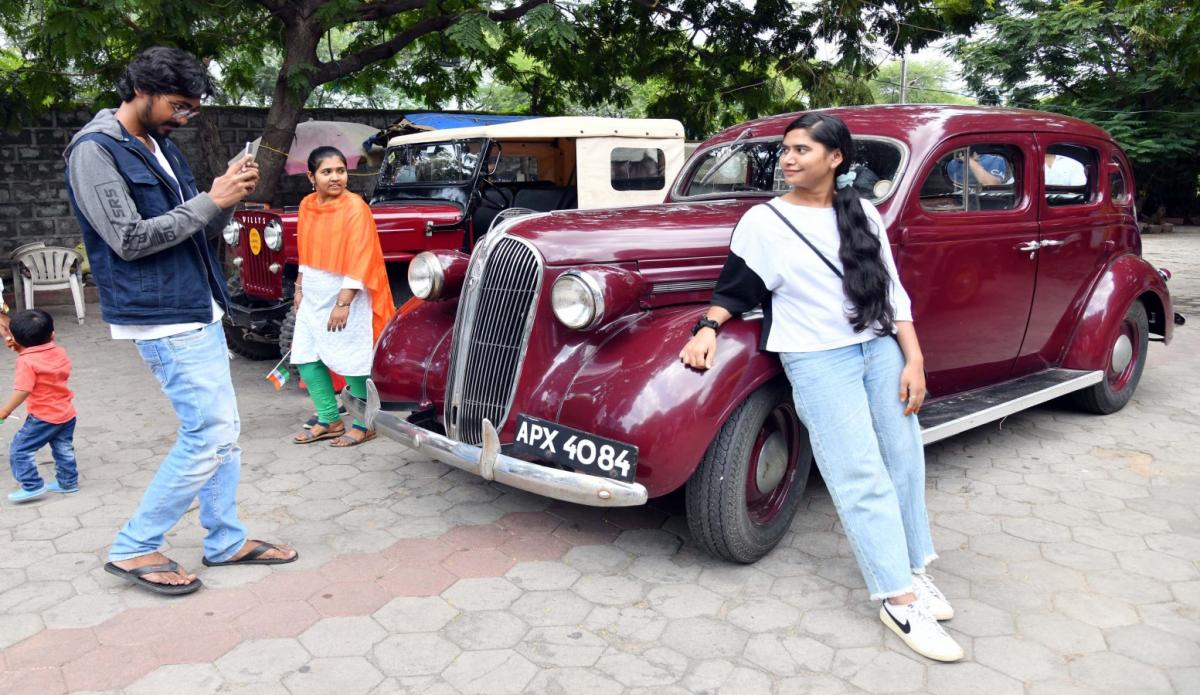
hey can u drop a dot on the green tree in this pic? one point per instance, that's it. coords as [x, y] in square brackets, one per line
[929, 82]
[709, 62]
[1129, 66]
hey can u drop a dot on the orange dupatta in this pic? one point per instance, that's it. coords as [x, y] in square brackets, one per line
[340, 237]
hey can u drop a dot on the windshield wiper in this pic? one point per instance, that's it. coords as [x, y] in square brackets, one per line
[734, 148]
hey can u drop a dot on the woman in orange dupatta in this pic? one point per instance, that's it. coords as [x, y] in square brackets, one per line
[342, 296]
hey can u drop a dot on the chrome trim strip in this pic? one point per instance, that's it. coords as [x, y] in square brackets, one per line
[682, 286]
[982, 417]
[678, 197]
[487, 462]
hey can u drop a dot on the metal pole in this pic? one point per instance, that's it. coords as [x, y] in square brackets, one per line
[904, 77]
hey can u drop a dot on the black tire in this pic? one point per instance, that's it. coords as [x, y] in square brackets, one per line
[1111, 394]
[242, 345]
[722, 516]
[287, 330]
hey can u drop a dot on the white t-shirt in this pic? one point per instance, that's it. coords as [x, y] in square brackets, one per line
[1065, 172]
[153, 332]
[809, 308]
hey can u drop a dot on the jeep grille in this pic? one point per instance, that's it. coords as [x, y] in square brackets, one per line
[257, 280]
[495, 315]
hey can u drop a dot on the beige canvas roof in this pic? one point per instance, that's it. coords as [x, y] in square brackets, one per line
[555, 127]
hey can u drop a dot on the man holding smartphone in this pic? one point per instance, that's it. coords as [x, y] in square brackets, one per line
[147, 230]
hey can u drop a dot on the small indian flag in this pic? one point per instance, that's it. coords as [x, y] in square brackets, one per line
[280, 374]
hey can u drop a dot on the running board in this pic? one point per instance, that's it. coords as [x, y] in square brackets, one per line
[946, 418]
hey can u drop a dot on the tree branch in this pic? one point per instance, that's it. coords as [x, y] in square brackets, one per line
[346, 65]
[387, 8]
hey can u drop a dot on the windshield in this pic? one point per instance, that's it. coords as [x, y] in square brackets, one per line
[753, 167]
[430, 164]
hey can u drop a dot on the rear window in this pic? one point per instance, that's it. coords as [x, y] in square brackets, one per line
[1069, 175]
[753, 167]
[638, 169]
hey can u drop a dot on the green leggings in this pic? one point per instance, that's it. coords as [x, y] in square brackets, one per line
[320, 388]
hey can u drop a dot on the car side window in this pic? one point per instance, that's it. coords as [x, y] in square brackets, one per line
[638, 169]
[1069, 175]
[978, 177]
[1118, 187]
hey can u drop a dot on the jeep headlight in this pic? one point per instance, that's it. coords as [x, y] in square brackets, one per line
[232, 232]
[577, 300]
[273, 235]
[425, 276]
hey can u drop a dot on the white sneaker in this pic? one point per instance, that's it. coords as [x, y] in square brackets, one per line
[914, 624]
[928, 593]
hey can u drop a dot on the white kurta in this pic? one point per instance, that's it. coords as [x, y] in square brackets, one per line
[348, 351]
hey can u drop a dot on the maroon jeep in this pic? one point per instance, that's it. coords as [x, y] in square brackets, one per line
[548, 359]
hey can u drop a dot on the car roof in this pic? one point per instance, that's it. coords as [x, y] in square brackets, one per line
[924, 121]
[555, 127]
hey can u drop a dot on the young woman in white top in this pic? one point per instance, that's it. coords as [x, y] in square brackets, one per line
[841, 322]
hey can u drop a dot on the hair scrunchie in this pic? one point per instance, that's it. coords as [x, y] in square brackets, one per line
[846, 179]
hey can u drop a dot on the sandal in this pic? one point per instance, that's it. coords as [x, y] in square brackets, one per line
[137, 576]
[345, 440]
[255, 557]
[332, 430]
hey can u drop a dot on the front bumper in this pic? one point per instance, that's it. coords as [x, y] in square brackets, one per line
[489, 463]
[258, 316]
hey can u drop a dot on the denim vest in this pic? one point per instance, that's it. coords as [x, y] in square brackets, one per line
[175, 285]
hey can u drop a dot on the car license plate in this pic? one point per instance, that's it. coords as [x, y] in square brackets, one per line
[575, 449]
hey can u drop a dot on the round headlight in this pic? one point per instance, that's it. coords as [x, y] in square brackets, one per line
[577, 300]
[232, 232]
[273, 235]
[425, 276]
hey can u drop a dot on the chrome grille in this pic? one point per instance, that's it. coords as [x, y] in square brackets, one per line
[257, 280]
[490, 335]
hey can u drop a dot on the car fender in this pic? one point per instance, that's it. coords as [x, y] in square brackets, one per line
[635, 389]
[407, 354]
[1127, 278]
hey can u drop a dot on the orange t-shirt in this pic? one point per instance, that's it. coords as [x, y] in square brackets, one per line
[42, 371]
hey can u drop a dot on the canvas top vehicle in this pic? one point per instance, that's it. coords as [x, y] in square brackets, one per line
[443, 189]
[548, 359]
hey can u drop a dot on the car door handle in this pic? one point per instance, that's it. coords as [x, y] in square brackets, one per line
[1051, 242]
[1030, 246]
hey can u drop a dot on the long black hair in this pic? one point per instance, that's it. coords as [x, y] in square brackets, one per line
[865, 281]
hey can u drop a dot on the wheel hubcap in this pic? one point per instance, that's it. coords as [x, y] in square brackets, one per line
[1122, 353]
[772, 463]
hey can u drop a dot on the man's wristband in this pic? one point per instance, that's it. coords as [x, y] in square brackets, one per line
[705, 322]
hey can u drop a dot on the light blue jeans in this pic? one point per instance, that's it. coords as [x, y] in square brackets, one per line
[193, 370]
[869, 454]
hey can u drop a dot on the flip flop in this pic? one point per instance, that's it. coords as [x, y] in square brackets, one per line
[351, 441]
[307, 437]
[137, 575]
[254, 557]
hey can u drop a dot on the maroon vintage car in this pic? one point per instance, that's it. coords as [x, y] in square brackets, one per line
[548, 359]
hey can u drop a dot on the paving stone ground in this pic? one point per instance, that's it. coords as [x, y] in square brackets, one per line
[1069, 545]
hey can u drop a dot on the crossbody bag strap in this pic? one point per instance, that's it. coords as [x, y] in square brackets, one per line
[807, 243]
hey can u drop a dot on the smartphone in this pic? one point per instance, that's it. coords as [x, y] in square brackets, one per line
[248, 152]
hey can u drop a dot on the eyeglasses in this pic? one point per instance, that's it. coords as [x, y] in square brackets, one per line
[182, 110]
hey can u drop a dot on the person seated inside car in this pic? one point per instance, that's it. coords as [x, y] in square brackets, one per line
[982, 169]
[1061, 170]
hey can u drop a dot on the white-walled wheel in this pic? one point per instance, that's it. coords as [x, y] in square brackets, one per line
[1123, 371]
[742, 498]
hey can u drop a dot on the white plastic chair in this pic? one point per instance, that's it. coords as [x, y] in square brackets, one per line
[52, 268]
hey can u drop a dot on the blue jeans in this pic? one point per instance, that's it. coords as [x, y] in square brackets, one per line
[34, 435]
[193, 370]
[870, 455]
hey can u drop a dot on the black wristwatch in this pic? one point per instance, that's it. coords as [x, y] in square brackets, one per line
[706, 322]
